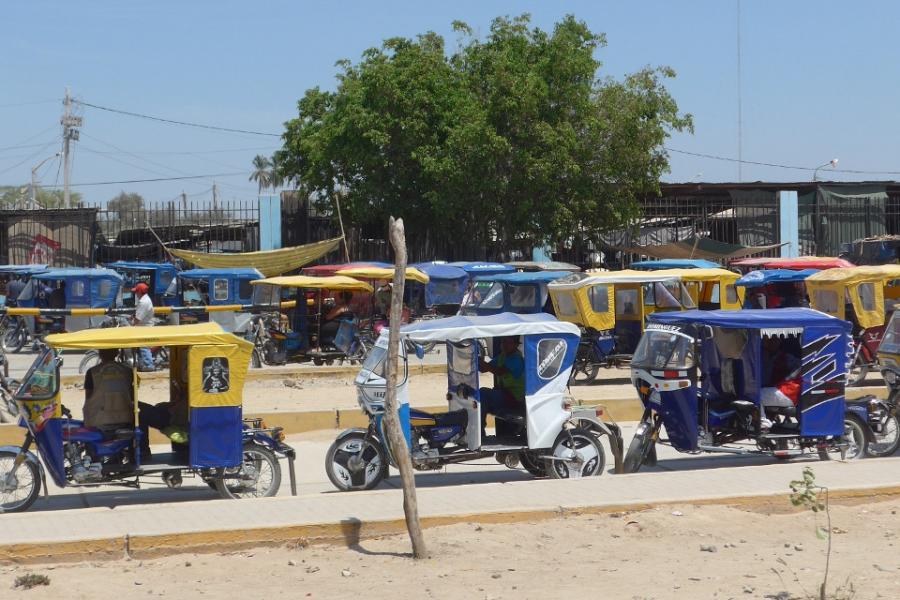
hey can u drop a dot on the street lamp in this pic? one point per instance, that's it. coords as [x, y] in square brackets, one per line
[34, 179]
[833, 162]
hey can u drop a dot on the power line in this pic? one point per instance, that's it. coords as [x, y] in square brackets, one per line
[175, 122]
[776, 165]
[30, 156]
[192, 152]
[156, 179]
[28, 103]
[26, 146]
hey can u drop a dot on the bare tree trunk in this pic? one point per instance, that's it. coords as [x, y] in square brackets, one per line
[395, 436]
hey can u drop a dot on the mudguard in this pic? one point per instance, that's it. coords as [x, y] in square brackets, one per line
[32, 458]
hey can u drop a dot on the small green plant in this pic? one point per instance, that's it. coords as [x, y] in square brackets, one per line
[808, 494]
[31, 580]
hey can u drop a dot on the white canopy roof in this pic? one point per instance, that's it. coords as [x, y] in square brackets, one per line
[457, 329]
[580, 280]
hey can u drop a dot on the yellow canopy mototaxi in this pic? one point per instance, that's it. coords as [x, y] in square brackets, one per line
[710, 289]
[204, 420]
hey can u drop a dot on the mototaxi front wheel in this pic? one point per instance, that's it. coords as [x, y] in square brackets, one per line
[886, 442]
[19, 485]
[576, 453]
[859, 370]
[259, 475]
[855, 436]
[90, 359]
[585, 368]
[532, 463]
[356, 461]
[639, 448]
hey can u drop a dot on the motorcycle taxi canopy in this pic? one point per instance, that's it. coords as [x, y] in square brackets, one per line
[384, 273]
[28, 270]
[709, 288]
[334, 282]
[731, 357]
[674, 263]
[765, 277]
[447, 285]
[865, 288]
[795, 264]
[482, 268]
[460, 328]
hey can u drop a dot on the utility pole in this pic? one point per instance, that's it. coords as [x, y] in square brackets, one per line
[184, 201]
[70, 124]
[215, 197]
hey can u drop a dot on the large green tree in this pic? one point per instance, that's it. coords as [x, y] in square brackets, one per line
[514, 139]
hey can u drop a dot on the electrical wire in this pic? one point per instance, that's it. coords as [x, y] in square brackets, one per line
[776, 165]
[29, 103]
[155, 179]
[175, 122]
[28, 139]
[30, 156]
[192, 152]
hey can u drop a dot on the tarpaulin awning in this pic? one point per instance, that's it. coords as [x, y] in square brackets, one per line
[268, 262]
[699, 248]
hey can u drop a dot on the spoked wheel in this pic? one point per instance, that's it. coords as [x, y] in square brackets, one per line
[14, 337]
[256, 359]
[577, 453]
[640, 446]
[259, 476]
[886, 442]
[531, 463]
[859, 370]
[356, 462]
[358, 352]
[19, 486]
[90, 359]
[855, 436]
[585, 369]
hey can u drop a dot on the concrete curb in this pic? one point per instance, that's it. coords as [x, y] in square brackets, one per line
[352, 531]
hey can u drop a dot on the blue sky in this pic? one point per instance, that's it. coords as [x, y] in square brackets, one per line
[821, 80]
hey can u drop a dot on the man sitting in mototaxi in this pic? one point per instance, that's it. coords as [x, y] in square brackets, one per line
[109, 393]
[780, 377]
[508, 394]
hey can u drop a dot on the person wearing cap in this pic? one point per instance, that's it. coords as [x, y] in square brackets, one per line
[143, 317]
[508, 367]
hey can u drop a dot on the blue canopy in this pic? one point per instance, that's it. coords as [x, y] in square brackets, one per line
[446, 286]
[456, 329]
[23, 269]
[483, 268]
[674, 263]
[85, 288]
[57, 274]
[235, 273]
[786, 318]
[526, 277]
[150, 266]
[767, 276]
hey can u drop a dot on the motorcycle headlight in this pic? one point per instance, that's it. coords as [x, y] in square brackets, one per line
[890, 377]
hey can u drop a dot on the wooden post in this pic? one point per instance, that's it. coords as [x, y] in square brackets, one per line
[395, 435]
[337, 202]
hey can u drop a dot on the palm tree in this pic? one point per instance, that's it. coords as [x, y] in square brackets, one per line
[275, 178]
[261, 174]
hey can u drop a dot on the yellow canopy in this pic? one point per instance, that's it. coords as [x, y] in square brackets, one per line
[701, 274]
[268, 262]
[335, 282]
[384, 273]
[853, 275]
[138, 337]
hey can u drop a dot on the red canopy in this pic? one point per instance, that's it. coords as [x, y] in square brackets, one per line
[793, 264]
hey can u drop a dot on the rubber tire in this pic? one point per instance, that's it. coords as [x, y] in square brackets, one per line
[14, 339]
[359, 352]
[266, 455]
[858, 430]
[639, 448]
[858, 371]
[591, 370]
[255, 359]
[533, 465]
[336, 481]
[35, 477]
[553, 466]
[887, 450]
[90, 359]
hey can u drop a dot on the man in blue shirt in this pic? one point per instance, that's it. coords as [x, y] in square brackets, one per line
[508, 393]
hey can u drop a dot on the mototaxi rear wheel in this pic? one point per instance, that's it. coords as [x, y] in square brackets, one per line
[887, 442]
[577, 453]
[855, 436]
[259, 475]
[356, 461]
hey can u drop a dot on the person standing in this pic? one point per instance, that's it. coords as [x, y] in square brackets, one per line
[143, 317]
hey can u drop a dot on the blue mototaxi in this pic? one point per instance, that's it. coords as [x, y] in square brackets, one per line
[775, 288]
[475, 269]
[520, 293]
[700, 373]
[23, 272]
[674, 263]
[213, 288]
[442, 295]
[157, 276]
[84, 288]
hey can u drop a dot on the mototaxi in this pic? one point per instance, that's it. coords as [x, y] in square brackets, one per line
[441, 296]
[700, 374]
[710, 289]
[552, 437]
[77, 289]
[775, 288]
[799, 263]
[157, 276]
[673, 263]
[521, 293]
[865, 297]
[22, 272]
[612, 308]
[237, 457]
[279, 337]
[216, 295]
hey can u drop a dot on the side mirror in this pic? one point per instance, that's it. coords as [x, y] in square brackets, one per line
[420, 351]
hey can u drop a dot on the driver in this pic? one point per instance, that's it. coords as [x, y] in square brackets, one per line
[508, 393]
[109, 393]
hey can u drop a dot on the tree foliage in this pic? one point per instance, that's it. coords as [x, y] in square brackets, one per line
[20, 197]
[513, 138]
[266, 172]
[126, 204]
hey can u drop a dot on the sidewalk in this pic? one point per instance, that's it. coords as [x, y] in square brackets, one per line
[217, 525]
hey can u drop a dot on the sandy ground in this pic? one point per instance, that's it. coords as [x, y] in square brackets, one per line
[676, 552]
[299, 394]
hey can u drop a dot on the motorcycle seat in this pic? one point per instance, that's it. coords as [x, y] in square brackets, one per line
[786, 411]
[75, 431]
